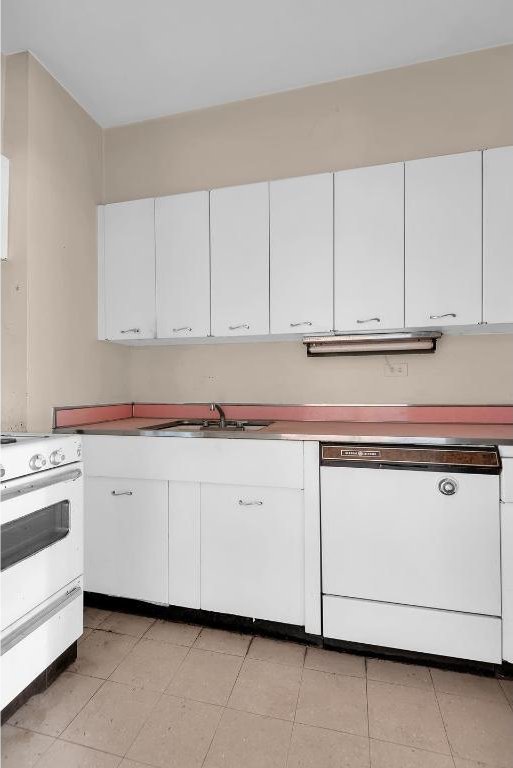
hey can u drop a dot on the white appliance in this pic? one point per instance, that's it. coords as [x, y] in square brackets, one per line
[411, 548]
[41, 554]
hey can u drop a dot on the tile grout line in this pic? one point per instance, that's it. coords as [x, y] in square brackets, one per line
[442, 719]
[73, 718]
[293, 724]
[127, 750]
[162, 693]
[225, 707]
[504, 694]
[367, 705]
[108, 679]
[44, 752]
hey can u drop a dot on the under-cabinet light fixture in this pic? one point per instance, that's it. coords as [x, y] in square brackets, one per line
[371, 344]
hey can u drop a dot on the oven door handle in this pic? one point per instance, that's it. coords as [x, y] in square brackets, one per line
[23, 631]
[42, 482]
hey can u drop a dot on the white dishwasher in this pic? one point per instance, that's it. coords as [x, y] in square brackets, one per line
[411, 548]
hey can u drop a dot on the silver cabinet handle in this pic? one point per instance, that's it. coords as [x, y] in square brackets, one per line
[236, 327]
[303, 322]
[122, 493]
[131, 330]
[439, 317]
[183, 328]
[370, 320]
[243, 503]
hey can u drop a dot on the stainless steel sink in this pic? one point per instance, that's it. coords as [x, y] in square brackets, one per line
[206, 425]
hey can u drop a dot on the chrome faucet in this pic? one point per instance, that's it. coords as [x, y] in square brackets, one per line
[222, 418]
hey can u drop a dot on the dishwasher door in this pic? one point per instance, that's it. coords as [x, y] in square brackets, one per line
[413, 537]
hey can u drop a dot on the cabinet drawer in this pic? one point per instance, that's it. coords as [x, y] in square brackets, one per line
[270, 463]
[252, 552]
[425, 630]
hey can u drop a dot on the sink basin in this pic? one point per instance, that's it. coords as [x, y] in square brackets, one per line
[206, 425]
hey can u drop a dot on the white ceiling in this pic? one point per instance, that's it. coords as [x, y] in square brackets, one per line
[128, 60]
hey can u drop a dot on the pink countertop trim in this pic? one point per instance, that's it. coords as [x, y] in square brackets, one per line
[371, 414]
[418, 414]
[92, 414]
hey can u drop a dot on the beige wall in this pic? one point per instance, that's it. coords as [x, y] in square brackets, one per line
[14, 271]
[452, 105]
[50, 354]
[63, 362]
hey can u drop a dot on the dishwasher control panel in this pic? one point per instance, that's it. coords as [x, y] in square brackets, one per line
[455, 458]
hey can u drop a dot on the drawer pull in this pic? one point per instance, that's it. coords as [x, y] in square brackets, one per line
[439, 317]
[303, 322]
[236, 327]
[183, 328]
[370, 320]
[131, 330]
[122, 493]
[243, 503]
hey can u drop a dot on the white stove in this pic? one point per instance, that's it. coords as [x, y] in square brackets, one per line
[41, 554]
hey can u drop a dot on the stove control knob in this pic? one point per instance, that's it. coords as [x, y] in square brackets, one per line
[37, 461]
[448, 486]
[57, 457]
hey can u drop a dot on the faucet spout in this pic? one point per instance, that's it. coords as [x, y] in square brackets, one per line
[222, 418]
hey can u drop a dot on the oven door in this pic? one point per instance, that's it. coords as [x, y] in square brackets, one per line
[42, 535]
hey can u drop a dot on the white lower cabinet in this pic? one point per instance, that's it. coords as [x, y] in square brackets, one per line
[126, 538]
[252, 552]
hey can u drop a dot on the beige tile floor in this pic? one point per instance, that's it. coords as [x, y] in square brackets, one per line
[152, 693]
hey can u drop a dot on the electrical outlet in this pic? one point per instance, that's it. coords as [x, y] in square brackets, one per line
[396, 369]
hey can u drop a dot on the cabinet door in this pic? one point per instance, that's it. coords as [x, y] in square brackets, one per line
[126, 538]
[443, 240]
[369, 248]
[498, 235]
[301, 227]
[128, 270]
[183, 265]
[239, 231]
[252, 561]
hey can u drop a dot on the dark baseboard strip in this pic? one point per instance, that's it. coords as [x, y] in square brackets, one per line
[206, 618]
[290, 632]
[414, 657]
[42, 681]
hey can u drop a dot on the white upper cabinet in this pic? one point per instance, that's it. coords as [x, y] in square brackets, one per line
[498, 235]
[239, 232]
[443, 253]
[183, 265]
[301, 211]
[127, 270]
[369, 248]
